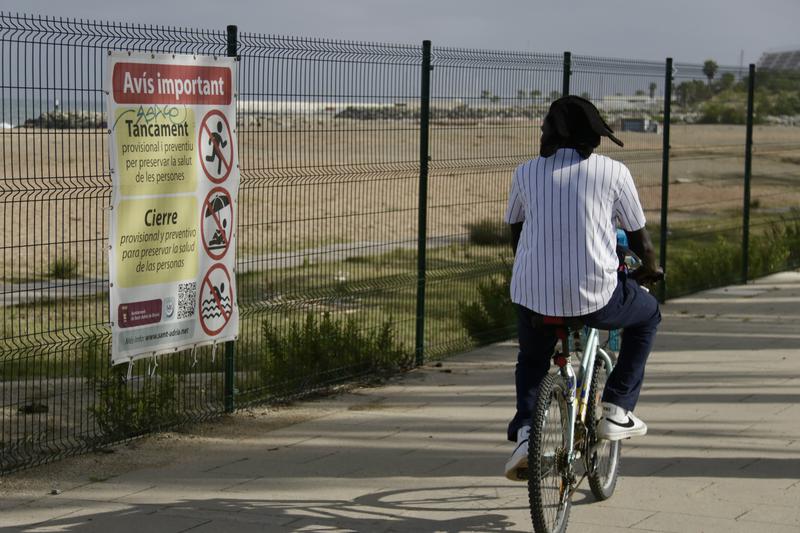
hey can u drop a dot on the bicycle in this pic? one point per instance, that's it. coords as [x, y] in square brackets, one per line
[561, 436]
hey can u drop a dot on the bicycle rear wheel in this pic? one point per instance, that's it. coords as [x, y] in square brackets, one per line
[603, 456]
[548, 481]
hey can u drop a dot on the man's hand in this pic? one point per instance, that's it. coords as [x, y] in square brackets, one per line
[647, 275]
[641, 245]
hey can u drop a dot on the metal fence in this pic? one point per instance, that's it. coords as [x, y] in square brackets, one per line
[373, 181]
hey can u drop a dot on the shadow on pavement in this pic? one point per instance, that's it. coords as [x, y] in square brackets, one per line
[461, 509]
[710, 467]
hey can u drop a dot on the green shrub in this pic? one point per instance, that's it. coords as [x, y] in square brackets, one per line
[318, 351]
[715, 112]
[768, 252]
[489, 232]
[492, 318]
[703, 266]
[64, 268]
[124, 410]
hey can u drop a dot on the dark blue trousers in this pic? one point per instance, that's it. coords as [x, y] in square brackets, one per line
[631, 308]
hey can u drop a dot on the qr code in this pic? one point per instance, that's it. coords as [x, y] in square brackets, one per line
[187, 294]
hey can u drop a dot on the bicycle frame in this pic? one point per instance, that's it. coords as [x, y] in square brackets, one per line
[578, 386]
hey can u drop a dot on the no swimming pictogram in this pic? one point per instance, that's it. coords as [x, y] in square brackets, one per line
[216, 300]
[215, 146]
[216, 226]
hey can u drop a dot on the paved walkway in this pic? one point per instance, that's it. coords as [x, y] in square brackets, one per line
[425, 452]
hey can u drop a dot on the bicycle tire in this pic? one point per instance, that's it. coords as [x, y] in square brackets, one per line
[605, 458]
[548, 488]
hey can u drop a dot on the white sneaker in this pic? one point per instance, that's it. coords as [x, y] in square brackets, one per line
[618, 424]
[517, 464]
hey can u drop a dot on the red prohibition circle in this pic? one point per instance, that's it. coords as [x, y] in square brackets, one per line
[206, 205]
[207, 280]
[203, 162]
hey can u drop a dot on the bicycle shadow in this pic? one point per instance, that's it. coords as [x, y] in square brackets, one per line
[444, 509]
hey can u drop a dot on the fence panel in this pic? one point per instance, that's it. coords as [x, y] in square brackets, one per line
[775, 183]
[58, 393]
[630, 96]
[486, 110]
[329, 150]
[706, 177]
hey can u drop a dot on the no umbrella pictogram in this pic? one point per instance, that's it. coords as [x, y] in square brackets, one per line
[215, 146]
[216, 300]
[216, 225]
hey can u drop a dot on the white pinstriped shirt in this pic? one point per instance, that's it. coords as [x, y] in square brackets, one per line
[566, 261]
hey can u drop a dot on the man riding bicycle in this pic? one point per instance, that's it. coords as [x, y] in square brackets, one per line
[562, 209]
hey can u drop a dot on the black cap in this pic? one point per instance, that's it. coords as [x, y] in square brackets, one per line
[574, 122]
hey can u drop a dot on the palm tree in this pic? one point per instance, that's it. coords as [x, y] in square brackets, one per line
[710, 69]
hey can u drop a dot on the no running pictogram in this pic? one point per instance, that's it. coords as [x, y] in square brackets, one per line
[215, 146]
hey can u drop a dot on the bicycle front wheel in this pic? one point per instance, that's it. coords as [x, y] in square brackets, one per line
[548, 475]
[603, 454]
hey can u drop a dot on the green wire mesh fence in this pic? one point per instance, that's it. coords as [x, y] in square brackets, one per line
[373, 183]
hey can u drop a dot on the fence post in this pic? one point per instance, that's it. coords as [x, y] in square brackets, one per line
[422, 229]
[230, 348]
[567, 74]
[662, 254]
[748, 163]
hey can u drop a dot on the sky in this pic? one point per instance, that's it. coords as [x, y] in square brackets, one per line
[687, 30]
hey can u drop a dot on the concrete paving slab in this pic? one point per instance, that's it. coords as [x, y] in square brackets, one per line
[45, 513]
[685, 523]
[605, 515]
[121, 521]
[774, 514]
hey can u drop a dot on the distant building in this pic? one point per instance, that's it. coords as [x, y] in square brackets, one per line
[621, 103]
[780, 60]
[641, 125]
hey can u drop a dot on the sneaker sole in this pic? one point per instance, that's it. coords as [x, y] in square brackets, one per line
[513, 467]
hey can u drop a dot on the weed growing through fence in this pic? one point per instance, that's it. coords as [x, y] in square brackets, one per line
[317, 351]
[491, 318]
[126, 409]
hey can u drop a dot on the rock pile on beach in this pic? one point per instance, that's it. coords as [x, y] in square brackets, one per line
[437, 113]
[67, 120]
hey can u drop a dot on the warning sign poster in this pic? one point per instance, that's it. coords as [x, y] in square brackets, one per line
[174, 167]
